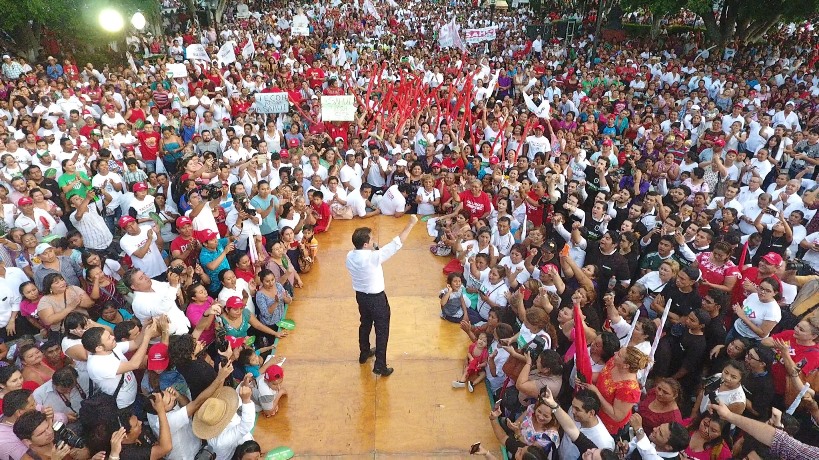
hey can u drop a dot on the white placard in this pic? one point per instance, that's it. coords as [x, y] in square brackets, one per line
[197, 52]
[300, 25]
[484, 34]
[338, 108]
[226, 54]
[176, 70]
[272, 103]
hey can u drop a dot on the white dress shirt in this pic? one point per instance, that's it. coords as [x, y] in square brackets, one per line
[365, 269]
[237, 432]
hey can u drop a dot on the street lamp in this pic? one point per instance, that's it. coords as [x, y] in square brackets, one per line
[111, 20]
[138, 20]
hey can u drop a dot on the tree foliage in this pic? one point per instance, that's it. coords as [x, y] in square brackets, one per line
[726, 20]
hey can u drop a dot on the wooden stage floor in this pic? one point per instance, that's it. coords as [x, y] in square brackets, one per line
[338, 408]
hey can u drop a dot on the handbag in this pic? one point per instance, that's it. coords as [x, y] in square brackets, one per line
[205, 453]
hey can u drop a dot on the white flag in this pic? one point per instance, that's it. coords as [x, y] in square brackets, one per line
[197, 52]
[249, 50]
[369, 8]
[226, 54]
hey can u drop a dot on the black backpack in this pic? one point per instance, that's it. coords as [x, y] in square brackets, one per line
[99, 407]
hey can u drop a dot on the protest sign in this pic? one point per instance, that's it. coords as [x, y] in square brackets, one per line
[338, 108]
[177, 70]
[300, 25]
[226, 54]
[484, 34]
[197, 52]
[272, 103]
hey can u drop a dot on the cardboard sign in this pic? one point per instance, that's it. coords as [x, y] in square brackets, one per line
[272, 103]
[197, 52]
[338, 108]
[300, 26]
[176, 70]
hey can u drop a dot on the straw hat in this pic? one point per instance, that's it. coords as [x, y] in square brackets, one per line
[215, 414]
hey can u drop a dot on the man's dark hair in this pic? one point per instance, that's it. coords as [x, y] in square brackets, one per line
[588, 400]
[608, 454]
[65, 377]
[678, 437]
[361, 236]
[128, 277]
[123, 329]
[25, 425]
[14, 401]
[92, 338]
[318, 194]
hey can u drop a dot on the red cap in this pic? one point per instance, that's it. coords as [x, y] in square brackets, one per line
[207, 235]
[234, 302]
[437, 164]
[284, 153]
[183, 221]
[125, 220]
[140, 187]
[607, 142]
[719, 143]
[773, 259]
[293, 143]
[274, 372]
[493, 160]
[110, 107]
[158, 358]
[60, 121]
[24, 201]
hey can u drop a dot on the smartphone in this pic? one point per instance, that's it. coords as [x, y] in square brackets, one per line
[474, 449]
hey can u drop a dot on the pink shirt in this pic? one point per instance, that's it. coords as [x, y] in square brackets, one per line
[27, 307]
[195, 312]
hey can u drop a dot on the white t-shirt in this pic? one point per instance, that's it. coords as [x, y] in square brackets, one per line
[425, 207]
[185, 443]
[596, 434]
[351, 175]
[392, 202]
[102, 369]
[161, 300]
[757, 312]
[357, 203]
[152, 263]
[143, 209]
[116, 196]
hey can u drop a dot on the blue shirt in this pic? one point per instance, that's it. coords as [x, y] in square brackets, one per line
[269, 223]
[207, 256]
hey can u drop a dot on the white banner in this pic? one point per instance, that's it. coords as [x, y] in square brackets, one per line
[484, 34]
[226, 54]
[176, 70]
[338, 108]
[300, 25]
[272, 103]
[197, 52]
[369, 8]
[249, 49]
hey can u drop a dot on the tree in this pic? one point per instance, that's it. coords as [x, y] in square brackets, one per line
[74, 23]
[725, 20]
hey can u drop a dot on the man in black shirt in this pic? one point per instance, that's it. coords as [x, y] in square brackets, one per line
[596, 179]
[716, 302]
[759, 384]
[689, 352]
[613, 266]
[684, 298]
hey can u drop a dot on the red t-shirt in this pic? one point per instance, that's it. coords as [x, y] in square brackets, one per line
[476, 206]
[337, 131]
[534, 213]
[148, 145]
[316, 77]
[323, 218]
[453, 166]
[181, 244]
[752, 274]
[797, 352]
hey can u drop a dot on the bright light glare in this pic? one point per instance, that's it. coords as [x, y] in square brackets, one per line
[111, 20]
[138, 21]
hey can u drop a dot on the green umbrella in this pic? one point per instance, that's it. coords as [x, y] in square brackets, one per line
[280, 453]
[288, 324]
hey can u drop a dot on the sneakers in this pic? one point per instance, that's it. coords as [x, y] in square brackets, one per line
[458, 384]
[470, 386]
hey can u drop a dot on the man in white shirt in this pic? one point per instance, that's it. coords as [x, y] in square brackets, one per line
[11, 278]
[787, 117]
[376, 168]
[350, 174]
[154, 299]
[666, 441]
[753, 209]
[750, 193]
[185, 443]
[585, 407]
[111, 118]
[358, 200]
[537, 143]
[734, 116]
[364, 265]
[107, 366]
[143, 245]
[218, 423]
[235, 155]
[394, 200]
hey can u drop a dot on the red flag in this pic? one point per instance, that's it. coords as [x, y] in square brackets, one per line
[582, 360]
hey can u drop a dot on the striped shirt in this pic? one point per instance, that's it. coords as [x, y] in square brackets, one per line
[92, 227]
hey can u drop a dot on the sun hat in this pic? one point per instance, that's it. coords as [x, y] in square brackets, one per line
[216, 413]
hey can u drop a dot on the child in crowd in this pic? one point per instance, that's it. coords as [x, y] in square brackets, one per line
[308, 248]
[28, 305]
[476, 359]
[454, 303]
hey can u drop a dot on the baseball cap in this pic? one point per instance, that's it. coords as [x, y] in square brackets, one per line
[207, 235]
[401, 162]
[493, 160]
[125, 220]
[284, 153]
[234, 302]
[158, 358]
[773, 259]
[140, 187]
[274, 372]
[235, 342]
[60, 121]
[293, 143]
[24, 201]
[550, 246]
[436, 164]
[41, 248]
[183, 221]
[719, 143]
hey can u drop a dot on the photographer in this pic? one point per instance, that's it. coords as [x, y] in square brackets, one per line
[204, 202]
[34, 429]
[88, 221]
[243, 220]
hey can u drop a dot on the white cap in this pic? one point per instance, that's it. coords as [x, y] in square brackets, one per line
[695, 107]
[401, 162]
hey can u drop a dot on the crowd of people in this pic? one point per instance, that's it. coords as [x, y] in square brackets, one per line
[654, 202]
